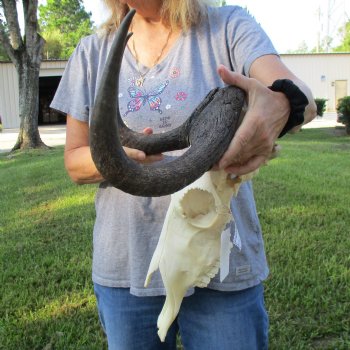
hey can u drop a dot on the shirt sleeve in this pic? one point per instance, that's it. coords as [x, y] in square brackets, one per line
[247, 40]
[72, 96]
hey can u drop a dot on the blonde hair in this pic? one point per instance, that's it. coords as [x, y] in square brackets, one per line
[177, 14]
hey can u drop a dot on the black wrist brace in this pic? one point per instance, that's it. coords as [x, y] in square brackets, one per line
[297, 100]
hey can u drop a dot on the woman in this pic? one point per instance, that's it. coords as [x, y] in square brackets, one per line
[179, 51]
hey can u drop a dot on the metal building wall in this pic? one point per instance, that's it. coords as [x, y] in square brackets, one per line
[52, 68]
[320, 72]
[9, 96]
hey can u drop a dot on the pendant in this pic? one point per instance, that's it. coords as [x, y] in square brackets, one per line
[139, 81]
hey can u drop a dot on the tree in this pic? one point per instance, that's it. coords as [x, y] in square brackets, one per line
[343, 110]
[69, 19]
[302, 48]
[25, 53]
[345, 45]
[53, 44]
[3, 54]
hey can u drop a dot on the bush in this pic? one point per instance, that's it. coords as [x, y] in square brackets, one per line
[321, 106]
[343, 110]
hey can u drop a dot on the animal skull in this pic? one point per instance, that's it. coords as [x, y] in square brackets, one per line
[188, 251]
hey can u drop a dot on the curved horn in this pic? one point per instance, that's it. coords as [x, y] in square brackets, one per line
[209, 131]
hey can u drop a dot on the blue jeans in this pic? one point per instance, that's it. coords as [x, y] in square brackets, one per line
[208, 320]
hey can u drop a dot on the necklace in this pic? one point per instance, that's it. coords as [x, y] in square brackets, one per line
[141, 79]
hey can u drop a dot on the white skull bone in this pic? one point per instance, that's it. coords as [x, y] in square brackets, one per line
[188, 251]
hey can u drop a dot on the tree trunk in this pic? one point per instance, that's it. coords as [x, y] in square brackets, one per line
[25, 54]
[28, 82]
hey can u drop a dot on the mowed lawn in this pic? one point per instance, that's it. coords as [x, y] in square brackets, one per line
[303, 198]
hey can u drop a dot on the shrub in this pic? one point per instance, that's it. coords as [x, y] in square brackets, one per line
[343, 110]
[321, 105]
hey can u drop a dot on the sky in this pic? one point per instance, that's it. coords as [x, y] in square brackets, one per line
[289, 23]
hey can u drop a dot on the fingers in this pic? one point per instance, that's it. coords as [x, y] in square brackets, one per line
[153, 158]
[147, 131]
[232, 78]
[267, 112]
[245, 154]
[252, 164]
[150, 158]
[237, 152]
[141, 157]
[135, 154]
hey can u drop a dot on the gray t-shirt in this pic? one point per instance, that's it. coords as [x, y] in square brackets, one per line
[127, 228]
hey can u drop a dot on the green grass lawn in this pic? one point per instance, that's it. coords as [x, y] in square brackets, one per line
[46, 296]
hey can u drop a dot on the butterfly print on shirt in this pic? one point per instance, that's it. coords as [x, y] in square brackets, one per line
[140, 97]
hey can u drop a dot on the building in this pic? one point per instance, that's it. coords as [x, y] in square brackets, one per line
[328, 75]
[50, 76]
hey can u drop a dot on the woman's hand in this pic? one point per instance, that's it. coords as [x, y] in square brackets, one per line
[141, 156]
[77, 155]
[267, 113]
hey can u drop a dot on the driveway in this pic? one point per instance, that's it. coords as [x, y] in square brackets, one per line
[52, 135]
[55, 135]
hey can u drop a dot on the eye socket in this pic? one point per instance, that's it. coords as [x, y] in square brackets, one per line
[198, 207]
[197, 202]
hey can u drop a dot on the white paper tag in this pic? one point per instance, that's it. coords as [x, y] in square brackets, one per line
[226, 246]
[237, 239]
